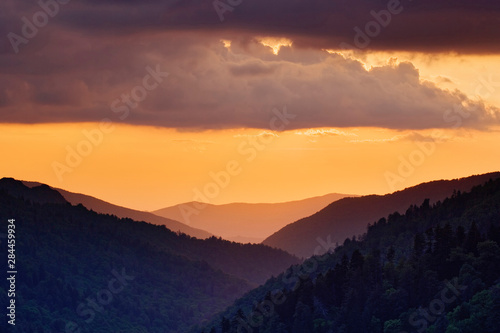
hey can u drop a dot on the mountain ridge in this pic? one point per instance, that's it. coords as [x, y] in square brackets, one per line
[349, 217]
[393, 279]
[104, 207]
[220, 254]
[69, 253]
[40, 193]
[256, 221]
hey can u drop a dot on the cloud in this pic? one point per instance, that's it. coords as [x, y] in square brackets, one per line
[438, 136]
[419, 137]
[265, 134]
[252, 69]
[426, 25]
[395, 138]
[324, 132]
[92, 53]
[443, 79]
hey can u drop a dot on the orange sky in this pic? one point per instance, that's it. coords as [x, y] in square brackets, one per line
[149, 168]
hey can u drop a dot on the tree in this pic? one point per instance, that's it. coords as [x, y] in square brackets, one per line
[357, 260]
[489, 260]
[418, 245]
[225, 325]
[302, 319]
[392, 326]
[391, 254]
[460, 235]
[473, 238]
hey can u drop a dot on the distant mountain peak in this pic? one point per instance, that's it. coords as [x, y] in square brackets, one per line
[246, 222]
[40, 194]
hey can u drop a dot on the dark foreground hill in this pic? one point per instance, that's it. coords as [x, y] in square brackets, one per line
[79, 271]
[103, 207]
[350, 216]
[434, 269]
[251, 262]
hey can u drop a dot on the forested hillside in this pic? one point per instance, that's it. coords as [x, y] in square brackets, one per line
[435, 268]
[349, 217]
[77, 268]
[103, 207]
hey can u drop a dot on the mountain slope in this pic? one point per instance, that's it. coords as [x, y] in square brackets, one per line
[38, 193]
[254, 263]
[104, 207]
[69, 257]
[434, 269]
[350, 216]
[144, 278]
[244, 221]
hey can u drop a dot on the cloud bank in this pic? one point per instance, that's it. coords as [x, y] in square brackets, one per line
[90, 54]
[413, 25]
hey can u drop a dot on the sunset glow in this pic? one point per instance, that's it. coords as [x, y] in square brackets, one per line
[164, 167]
[154, 115]
[275, 43]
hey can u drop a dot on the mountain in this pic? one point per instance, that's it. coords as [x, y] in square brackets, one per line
[39, 193]
[105, 274]
[245, 222]
[434, 269]
[241, 260]
[350, 216]
[104, 207]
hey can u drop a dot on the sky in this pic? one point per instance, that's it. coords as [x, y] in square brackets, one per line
[148, 104]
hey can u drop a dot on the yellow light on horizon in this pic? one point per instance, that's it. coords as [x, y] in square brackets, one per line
[149, 168]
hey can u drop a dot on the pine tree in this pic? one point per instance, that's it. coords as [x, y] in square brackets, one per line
[391, 254]
[418, 245]
[473, 238]
[357, 260]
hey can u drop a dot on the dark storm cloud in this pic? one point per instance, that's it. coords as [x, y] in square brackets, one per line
[85, 59]
[415, 25]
